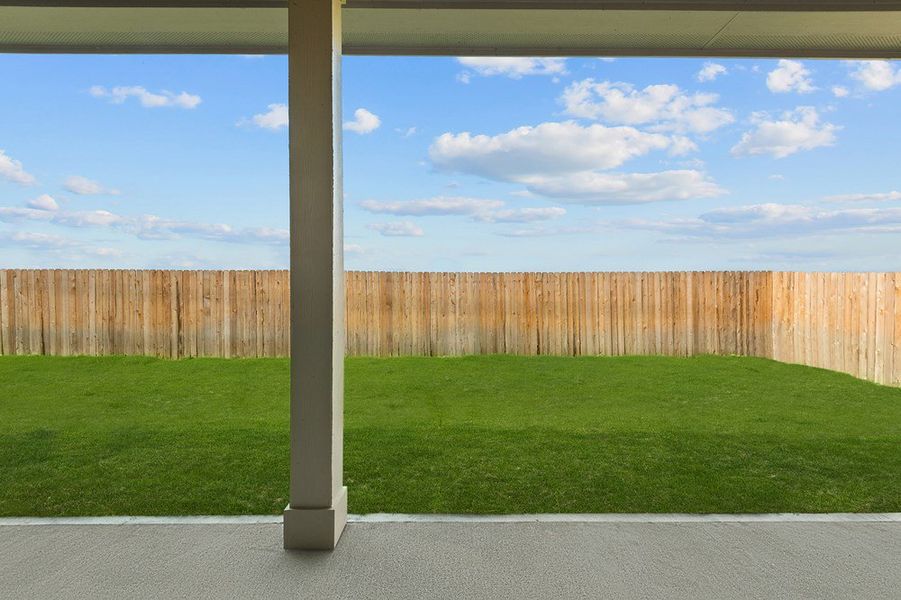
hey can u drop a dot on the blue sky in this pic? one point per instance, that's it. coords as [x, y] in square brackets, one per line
[458, 164]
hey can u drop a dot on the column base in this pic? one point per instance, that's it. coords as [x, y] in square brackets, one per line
[315, 528]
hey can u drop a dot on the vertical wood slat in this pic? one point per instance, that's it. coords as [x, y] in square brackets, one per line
[896, 338]
[840, 321]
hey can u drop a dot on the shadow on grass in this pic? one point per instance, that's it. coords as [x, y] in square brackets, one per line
[454, 469]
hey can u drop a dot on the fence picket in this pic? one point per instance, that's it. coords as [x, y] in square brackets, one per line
[841, 321]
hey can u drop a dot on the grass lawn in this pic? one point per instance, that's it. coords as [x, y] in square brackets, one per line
[497, 434]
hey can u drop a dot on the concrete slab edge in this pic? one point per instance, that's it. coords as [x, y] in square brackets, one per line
[635, 518]
[425, 518]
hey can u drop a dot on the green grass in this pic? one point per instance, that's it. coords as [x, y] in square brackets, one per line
[98, 436]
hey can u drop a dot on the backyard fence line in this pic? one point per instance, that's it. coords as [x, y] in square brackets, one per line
[840, 321]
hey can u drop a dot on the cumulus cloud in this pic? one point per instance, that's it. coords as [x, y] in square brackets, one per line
[790, 76]
[776, 220]
[398, 229]
[682, 145]
[598, 188]
[148, 227]
[364, 122]
[793, 132]
[273, 119]
[12, 170]
[147, 99]
[567, 161]
[514, 67]
[840, 91]
[876, 75]
[877, 197]
[663, 107]
[87, 187]
[548, 148]
[43, 202]
[710, 71]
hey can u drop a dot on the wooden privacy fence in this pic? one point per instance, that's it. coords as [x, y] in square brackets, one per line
[841, 321]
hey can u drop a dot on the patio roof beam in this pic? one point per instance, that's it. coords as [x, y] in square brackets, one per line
[712, 5]
[812, 28]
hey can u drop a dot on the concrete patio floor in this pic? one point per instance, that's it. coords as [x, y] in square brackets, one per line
[457, 559]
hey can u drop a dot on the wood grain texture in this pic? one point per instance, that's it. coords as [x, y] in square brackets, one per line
[841, 321]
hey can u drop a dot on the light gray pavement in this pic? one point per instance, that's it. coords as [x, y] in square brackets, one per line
[458, 560]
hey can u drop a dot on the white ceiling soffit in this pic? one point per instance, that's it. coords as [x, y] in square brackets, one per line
[831, 28]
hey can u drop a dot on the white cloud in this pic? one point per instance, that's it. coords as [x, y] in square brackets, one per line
[790, 76]
[796, 218]
[682, 145]
[665, 106]
[777, 220]
[548, 148]
[354, 250]
[514, 67]
[120, 94]
[28, 239]
[55, 245]
[876, 75]
[595, 188]
[440, 205]
[544, 231]
[86, 187]
[795, 131]
[12, 170]
[710, 71]
[567, 161]
[92, 218]
[273, 119]
[840, 91]
[43, 202]
[148, 227]
[408, 132]
[523, 215]
[877, 197]
[364, 122]
[398, 229]
[478, 209]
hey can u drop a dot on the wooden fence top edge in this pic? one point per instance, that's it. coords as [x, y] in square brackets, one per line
[398, 272]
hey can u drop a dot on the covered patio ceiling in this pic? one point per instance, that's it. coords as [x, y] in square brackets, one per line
[803, 28]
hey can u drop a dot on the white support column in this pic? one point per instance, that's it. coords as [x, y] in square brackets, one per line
[317, 511]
